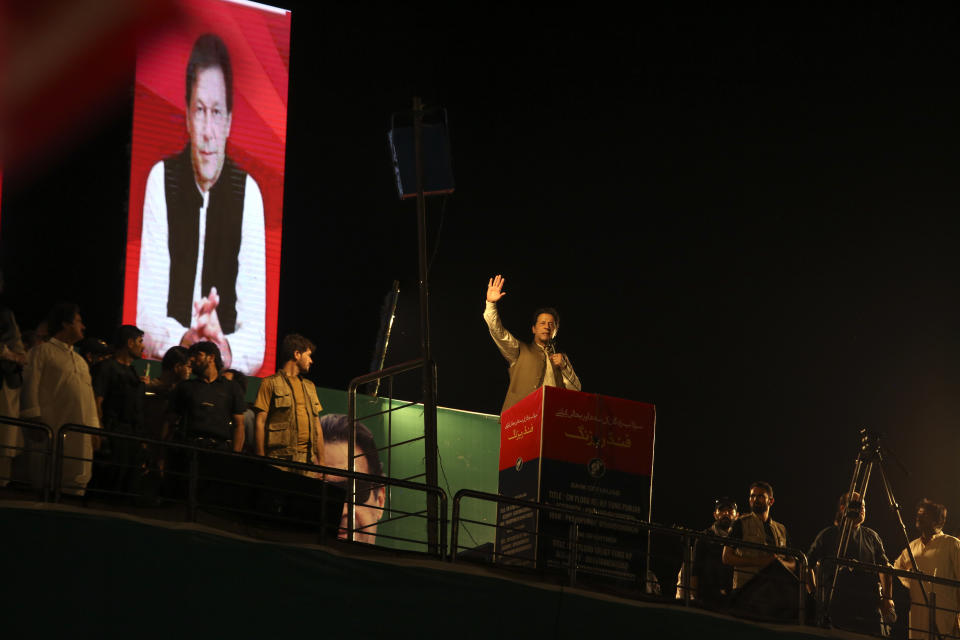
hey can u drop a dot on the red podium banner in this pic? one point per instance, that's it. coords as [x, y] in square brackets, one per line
[520, 431]
[585, 451]
[561, 424]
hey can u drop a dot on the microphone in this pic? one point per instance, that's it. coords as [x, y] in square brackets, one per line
[551, 347]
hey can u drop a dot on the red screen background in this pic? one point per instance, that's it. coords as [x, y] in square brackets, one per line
[258, 39]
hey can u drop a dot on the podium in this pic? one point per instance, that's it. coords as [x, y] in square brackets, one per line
[584, 451]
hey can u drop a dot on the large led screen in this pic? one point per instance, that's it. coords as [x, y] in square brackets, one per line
[206, 182]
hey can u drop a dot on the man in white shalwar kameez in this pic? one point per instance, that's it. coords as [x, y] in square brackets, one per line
[937, 554]
[57, 390]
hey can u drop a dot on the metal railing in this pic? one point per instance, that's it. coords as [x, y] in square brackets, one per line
[436, 526]
[799, 569]
[575, 540]
[192, 475]
[37, 439]
[866, 603]
[578, 519]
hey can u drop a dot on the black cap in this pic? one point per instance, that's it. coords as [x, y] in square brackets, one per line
[724, 503]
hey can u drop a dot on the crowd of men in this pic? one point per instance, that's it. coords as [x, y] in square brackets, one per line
[55, 377]
[725, 575]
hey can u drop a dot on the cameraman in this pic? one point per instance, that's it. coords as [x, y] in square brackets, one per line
[860, 597]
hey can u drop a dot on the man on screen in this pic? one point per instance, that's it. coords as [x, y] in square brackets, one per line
[202, 250]
[370, 497]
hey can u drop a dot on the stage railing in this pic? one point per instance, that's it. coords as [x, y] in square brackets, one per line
[198, 473]
[30, 439]
[853, 604]
[49, 453]
[436, 524]
[574, 543]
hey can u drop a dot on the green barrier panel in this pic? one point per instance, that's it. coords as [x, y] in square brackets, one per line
[469, 447]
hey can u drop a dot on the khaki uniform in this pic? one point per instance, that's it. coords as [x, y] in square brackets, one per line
[292, 409]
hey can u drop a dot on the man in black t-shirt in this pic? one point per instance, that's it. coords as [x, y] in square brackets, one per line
[210, 407]
[119, 392]
[117, 386]
[711, 581]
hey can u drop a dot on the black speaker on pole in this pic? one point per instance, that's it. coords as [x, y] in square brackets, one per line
[437, 171]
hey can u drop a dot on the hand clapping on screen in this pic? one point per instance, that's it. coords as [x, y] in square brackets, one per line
[206, 326]
[495, 288]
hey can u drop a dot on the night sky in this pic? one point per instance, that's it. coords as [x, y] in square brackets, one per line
[748, 219]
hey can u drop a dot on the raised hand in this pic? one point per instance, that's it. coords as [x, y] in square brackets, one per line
[495, 288]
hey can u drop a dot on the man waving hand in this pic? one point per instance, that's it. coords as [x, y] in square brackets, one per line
[534, 364]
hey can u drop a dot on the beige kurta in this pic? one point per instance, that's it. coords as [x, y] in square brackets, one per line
[940, 558]
[510, 349]
[57, 389]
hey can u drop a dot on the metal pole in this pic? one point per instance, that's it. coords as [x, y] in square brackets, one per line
[455, 529]
[46, 490]
[686, 570]
[802, 595]
[429, 379]
[53, 466]
[648, 587]
[932, 620]
[821, 588]
[859, 483]
[574, 533]
[323, 512]
[351, 461]
[394, 294]
[192, 487]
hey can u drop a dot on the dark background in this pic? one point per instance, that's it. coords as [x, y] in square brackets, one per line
[747, 218]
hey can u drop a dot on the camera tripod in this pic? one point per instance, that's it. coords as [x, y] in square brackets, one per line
[870, 455]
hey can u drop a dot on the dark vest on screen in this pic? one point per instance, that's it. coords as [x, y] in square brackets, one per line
[221, 247]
